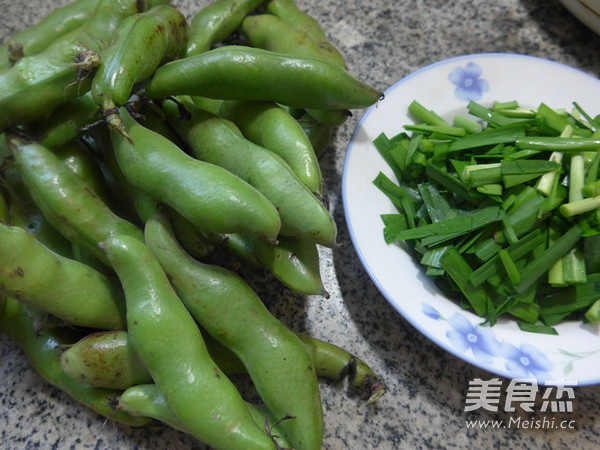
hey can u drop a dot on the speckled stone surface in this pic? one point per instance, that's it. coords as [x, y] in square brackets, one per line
[382, 41]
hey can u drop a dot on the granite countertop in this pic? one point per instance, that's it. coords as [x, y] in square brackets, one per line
[382, 41]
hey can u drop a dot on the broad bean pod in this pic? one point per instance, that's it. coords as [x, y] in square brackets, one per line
[170, 345]
[215, 22]
[235, 254]
[37, 84]
[66, 200]
[293, 261]
[334, 363]
[147, 401]
[107, 359]
[207, 195]
[68, 122]
[3, 220]
[270, 126]
[36, 38]
[68, 289]
[42, 349]
[274, 357]
[77, 157]
[290, 13]
[4, 215]
[218, 141]
[320, 135]
[244, 73]
[104, 359]
[197, 242]
[106, 19]
[141, 43]
[24, 213]
[141, 203]
[269, 32]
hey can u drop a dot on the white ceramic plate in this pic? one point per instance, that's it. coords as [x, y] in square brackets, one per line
[446, 87]
[587, 11]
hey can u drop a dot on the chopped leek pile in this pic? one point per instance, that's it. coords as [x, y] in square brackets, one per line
[502, 209]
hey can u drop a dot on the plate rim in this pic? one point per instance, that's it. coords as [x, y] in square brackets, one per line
[418, 325]
[583, 13]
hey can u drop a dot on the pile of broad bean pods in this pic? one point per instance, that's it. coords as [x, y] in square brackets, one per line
[144, 159]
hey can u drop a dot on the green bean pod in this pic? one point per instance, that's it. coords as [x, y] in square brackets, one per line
[218, 141]
[209, 196]
[215, 22]
[295, 262]
[288, 11]
[141, 43]
[147, 401]
[36, 38]
[107, 359]
[68, 289]
[169, 344]
[274, 357]
[66, 200]
[271, 127]
[246, 73]
[42, 349]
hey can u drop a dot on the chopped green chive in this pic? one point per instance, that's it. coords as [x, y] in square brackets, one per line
[500, 226]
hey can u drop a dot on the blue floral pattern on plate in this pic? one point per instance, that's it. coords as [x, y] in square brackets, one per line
[465, 336]
[521, 362]
[469, 85]
[525, 361]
